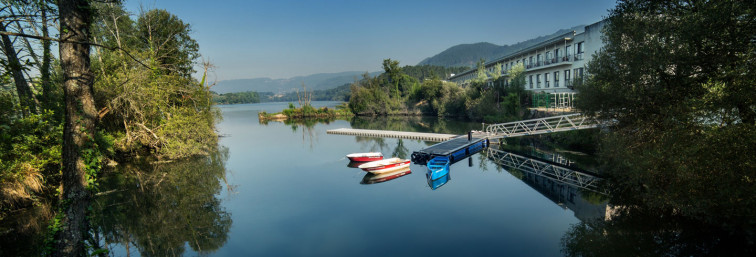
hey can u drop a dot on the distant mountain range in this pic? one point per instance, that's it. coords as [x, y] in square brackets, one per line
[313, 82]
[467, 55]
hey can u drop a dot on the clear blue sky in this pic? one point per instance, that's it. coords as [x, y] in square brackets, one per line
[282, 38]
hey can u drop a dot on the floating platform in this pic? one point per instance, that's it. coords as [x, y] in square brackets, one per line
[392, 134]
[455, 149]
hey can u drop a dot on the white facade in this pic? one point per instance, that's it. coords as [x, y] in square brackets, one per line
[550, 66]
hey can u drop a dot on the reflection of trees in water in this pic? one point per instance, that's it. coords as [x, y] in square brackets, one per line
[22, 232]
[158, 209]
[633, 232]
[414, 124]
[400, 151]
[373, 144]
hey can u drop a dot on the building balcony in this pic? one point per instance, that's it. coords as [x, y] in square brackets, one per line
[553, 62]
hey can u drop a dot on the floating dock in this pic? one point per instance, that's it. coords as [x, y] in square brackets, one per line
[455, 149]
[392, 134]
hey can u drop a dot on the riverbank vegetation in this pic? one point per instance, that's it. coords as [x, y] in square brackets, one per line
[397, 93]
[676, 81]
[62, 120]
[306, 112]
[249, 97]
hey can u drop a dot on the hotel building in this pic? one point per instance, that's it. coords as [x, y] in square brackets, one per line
[550, 66]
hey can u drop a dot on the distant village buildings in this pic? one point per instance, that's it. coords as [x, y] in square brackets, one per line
[551, 66]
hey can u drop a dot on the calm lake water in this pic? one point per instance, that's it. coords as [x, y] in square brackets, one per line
[288, 191]
[279, 189]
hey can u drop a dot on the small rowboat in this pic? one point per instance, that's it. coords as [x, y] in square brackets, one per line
[371, 178]
[438, 167]
[365, 157]
[386, 165]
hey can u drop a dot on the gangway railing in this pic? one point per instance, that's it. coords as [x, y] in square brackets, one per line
[544, 169]
[540, 126]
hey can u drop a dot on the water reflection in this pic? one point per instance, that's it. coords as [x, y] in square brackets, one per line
[22, 232]
[436, 183]
[571, 189]
[371, 178]
[635, 232]
[158, 210]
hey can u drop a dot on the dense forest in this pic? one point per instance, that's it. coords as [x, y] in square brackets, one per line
[120, 87]
[236, 98]
[395, 92]
[682, 110]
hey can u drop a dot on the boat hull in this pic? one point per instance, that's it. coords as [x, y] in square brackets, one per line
[438, 167]
[365, 157]
[383, 166]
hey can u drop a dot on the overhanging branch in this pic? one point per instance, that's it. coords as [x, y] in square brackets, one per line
[8, 33]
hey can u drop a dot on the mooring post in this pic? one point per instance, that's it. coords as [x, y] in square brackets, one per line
[469, 135]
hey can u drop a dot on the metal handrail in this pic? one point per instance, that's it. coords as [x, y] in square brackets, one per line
[540, 126]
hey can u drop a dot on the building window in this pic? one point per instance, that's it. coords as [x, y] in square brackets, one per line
[568, 52]
[567, 78]
[556, 79]
[579, 51]
[556, 55]
[538, 81]
[539, 61]
[531, 81]
[579, 73]
[546, 79]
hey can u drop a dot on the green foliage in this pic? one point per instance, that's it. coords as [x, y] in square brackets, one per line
[237, 98]
[157, 107]
[306, 112]
[424, 72]
[395, 92]
[677, 80]
[166, 37]
[30, 155]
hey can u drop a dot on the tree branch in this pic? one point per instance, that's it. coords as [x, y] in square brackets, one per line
[8, 33]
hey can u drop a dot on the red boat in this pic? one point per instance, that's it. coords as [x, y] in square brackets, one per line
[365, 157]
[386, 165]
[371, 178]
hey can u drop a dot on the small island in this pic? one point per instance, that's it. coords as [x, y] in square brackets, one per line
[306, 111]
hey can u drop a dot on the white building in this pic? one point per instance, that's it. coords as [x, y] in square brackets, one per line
[550, 66]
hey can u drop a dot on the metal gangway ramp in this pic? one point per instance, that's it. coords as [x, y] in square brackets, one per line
[540, 126]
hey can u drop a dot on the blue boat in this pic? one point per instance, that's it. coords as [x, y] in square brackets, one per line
[438, 167]
[435, 184]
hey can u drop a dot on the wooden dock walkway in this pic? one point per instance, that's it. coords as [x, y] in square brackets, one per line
[392, 134]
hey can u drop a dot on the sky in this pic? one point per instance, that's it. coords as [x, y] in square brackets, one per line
[283, 39]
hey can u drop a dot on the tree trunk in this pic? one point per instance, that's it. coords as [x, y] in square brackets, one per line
[25, 97]
[47, 88]
[79, 127]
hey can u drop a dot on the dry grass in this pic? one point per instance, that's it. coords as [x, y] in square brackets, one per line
[21, 187]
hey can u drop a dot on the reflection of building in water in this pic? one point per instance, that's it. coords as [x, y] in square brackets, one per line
[566, 196]
[568, 188]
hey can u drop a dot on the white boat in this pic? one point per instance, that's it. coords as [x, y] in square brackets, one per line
[386, 165]
[365, 157]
